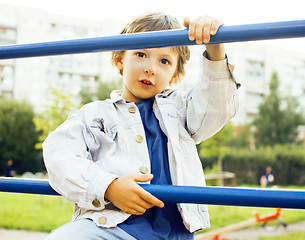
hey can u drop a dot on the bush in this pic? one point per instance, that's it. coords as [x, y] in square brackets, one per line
[18, 137]
[287, 162]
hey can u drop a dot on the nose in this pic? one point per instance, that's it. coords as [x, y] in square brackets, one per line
[150, 71]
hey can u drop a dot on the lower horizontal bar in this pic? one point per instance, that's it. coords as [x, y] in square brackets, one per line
[225, 34]
[251, 197]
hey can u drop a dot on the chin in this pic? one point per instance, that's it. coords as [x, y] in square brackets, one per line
[146, 96]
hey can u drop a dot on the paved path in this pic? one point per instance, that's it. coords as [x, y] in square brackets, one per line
[21, 235]
[246, 234]
[255, 233]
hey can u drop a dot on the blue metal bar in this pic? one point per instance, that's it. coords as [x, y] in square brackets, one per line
[226, 34]
[251, 197]
[24, 185]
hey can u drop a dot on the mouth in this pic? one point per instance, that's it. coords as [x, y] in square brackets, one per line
[146, 83]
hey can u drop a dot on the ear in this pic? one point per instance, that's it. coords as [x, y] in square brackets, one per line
[118, 62]
[174, 79]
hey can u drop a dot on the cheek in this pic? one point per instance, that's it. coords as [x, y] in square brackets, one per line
[172, 74]
[133, 67]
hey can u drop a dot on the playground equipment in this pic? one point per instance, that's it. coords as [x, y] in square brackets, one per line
[269, 218]
[225, 34]
[264, 219]
[272, 198]
[183, 194]
[205, 195]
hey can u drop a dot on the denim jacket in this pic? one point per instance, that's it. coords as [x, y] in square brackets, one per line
[102, 141]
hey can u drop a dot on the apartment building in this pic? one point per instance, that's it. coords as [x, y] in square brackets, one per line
[31, 78]
[254, 66]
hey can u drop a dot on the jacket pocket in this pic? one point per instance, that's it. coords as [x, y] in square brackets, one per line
[102, 134]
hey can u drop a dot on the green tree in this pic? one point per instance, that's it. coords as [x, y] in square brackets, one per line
[59, 108]
[102, 91]
[294, 116]
[105, 88]
[218, 145]
[18, 136]
[242, 137]
[86, 95]
[278, 118]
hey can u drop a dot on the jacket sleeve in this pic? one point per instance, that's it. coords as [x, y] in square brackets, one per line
[72, 173]
[211, 105]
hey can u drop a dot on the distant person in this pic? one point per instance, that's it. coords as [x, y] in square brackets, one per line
[267, 179]
[269, 176]
[9, 172]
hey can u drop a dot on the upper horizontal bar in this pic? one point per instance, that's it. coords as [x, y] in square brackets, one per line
[225, 34]
[250, 197]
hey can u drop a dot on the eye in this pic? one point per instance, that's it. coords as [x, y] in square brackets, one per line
[140, 54]
[164, 61]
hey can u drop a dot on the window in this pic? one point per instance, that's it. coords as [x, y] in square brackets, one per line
[255, 68]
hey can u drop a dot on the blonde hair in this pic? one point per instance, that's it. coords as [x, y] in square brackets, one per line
[156, 22]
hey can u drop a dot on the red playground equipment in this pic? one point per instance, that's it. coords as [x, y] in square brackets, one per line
[264, 219]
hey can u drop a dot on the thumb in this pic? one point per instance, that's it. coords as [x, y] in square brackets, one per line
[142, 177]
[186, 22]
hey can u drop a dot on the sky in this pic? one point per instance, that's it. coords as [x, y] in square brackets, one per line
[232, 12]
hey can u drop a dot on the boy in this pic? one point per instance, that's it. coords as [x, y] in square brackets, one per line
[145, 133]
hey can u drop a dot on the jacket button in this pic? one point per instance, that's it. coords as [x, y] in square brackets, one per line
[102, 220]
[132, 109]
[96, 203]
[139, 138]
[143, 169]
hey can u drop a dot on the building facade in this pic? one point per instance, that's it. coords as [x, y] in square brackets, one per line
[32, 78]
[255, 64]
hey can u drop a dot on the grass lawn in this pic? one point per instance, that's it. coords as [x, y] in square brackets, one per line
[33, 212]
[45, 213]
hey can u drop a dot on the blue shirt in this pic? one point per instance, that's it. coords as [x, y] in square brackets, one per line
[156, 223]
[9, 170]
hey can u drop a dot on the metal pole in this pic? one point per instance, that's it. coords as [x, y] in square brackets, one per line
[226, 34]
[252, 197]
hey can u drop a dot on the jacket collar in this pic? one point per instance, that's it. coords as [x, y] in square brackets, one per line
[116, 96]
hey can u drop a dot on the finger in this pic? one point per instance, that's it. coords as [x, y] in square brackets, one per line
[199, 30]
[145, 204]
[215, 26]
[138, 210]
[142, 177]
[141, 201]
[135, 205]
[186, 22]
[146, 196]
[206, 31]
[191, 31]
[135, 211]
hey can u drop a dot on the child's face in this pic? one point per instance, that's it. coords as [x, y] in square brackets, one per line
[147, 72]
